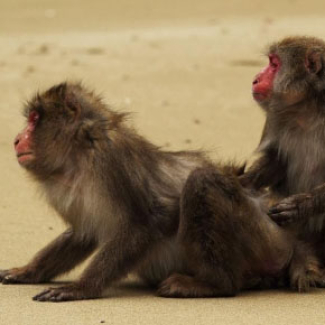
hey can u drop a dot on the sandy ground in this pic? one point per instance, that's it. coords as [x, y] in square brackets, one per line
[185, 69]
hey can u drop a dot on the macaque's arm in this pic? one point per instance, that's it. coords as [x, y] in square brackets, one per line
[112, 262]
[58, 257]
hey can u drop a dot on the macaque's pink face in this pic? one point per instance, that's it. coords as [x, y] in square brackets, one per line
[24, 140]
[263, 82]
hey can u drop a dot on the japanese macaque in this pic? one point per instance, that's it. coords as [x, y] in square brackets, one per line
[231, 244]
[291, 89]
[225, 228]
[118, 193]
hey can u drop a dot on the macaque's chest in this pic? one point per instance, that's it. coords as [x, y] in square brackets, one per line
[84, 209]
[304, 153]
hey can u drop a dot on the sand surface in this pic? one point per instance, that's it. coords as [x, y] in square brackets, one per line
[185, 69]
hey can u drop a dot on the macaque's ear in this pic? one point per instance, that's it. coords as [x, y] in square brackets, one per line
[89, 132]
[72, 104]
[314, 62]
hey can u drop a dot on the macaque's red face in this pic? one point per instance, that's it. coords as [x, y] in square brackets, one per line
[24, 140]
[62, 131]
[263, 82]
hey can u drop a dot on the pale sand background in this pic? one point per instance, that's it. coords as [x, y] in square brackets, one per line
[185, 68]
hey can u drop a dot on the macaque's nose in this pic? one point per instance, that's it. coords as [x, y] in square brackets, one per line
[255, 81]
[17, 139]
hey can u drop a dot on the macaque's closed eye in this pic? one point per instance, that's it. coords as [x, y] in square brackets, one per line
[274, 61]
[33, 117]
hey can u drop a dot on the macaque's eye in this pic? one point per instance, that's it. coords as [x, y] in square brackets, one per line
[33, 118]
[274, 61]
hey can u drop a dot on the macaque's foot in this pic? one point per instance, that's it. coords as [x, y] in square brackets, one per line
[175, 286]
[18, 275]
[67, 293]
[304, 278]
[184, 286]
[303, 283]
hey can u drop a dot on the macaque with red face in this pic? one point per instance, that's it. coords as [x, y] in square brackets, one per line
[291, 90]
[118, 194]
[225, 227]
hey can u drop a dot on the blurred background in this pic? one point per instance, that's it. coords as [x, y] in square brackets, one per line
[183, 67]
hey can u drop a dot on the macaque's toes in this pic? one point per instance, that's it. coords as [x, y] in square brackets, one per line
[184, 286]
[62, 294]
[3, 274]
[306, 279]
[174, 286]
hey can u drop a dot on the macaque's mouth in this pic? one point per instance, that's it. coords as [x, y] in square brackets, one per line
[24, 156]
[259, 96]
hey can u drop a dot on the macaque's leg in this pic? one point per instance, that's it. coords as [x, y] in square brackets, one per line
[60, 256]
[211, 237]
[304, 269]
[113, 261]
[227, 236]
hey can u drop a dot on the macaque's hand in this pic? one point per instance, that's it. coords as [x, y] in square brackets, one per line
[18, 275]
[67, 293]
[291, 209]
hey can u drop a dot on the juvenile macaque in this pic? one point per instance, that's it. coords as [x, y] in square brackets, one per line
[231, 244]
[291, 89]
[118, 193]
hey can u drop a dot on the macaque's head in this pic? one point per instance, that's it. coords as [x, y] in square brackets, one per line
[65, 125]
[295, 72]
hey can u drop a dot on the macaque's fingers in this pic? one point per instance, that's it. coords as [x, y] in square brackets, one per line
[3, 274]
[43, 293]
[10, 279]
[283, 207]
[15, 276]
[67, 293]
[19, 275]
[284, 218]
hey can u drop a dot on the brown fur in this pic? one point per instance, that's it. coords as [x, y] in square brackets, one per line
[230, 242]
[225, 228]
[292, 146]
[116, 191]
